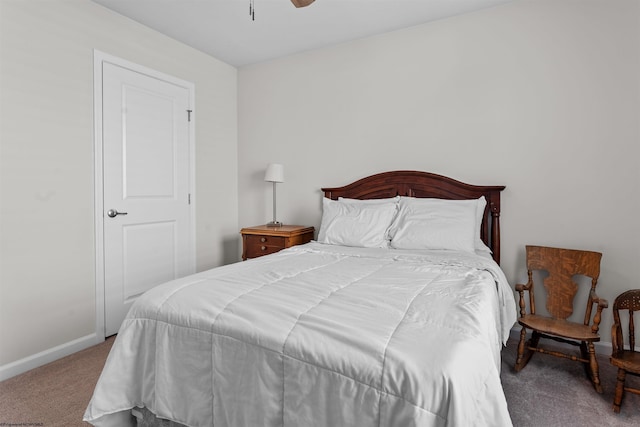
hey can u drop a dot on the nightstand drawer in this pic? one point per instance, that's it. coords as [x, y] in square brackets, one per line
[256, 251]
[257, 241]
[263, 245]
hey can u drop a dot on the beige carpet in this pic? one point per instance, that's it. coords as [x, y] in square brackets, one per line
[555, 392]
[549, 392]
[55, 394]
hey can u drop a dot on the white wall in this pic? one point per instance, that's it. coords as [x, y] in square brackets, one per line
[541, 96]
[47, 284]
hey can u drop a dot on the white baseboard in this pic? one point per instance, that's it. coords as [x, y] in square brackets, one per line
[601, 347]
[36, 360]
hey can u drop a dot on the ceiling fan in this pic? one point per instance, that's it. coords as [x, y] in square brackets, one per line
[296, 3]
[301, 3]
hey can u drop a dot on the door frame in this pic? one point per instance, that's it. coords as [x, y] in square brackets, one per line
[98, 59]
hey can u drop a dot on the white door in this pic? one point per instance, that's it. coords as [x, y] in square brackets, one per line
[146, 200]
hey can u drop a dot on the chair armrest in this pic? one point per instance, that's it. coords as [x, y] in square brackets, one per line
[602, 304]
[616, 335]
[521, 288]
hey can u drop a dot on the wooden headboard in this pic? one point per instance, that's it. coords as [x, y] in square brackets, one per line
[425, 184]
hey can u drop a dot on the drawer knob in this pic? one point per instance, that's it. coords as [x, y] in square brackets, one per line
[263, 248]
[263, 239]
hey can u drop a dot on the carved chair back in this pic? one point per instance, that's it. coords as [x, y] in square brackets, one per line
[630, 301]
[562, 265]
[626, 360]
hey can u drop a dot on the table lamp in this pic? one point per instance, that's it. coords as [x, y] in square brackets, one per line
[274, 174]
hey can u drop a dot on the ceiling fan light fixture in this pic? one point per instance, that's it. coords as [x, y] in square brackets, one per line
[296, 3]
[302, 3]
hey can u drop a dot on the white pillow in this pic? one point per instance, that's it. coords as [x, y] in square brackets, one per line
[435, 224]
[359, 225]
[479, 244]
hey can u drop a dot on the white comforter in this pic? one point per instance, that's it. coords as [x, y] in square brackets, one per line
[317, 335]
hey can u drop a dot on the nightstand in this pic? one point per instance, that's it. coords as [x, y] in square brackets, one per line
[262, 240]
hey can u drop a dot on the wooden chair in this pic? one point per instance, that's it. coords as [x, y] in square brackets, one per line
[627, 361]
[562, 265]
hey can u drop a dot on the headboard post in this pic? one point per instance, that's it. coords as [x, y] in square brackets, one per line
[495, 231]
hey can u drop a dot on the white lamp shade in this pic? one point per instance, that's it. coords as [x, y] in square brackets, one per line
[274, 173]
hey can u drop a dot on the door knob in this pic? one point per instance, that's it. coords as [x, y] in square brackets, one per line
[112, 213]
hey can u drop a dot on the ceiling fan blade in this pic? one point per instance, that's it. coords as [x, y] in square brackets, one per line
[301, 3]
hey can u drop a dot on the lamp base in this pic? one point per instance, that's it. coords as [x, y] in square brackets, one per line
[274, 224]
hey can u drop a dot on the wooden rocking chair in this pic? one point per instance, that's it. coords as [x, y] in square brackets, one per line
[562, 265]
[627, 361]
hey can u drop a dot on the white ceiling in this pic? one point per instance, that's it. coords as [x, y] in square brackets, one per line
[224, 29]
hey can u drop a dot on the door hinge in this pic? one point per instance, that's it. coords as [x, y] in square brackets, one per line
[189, 115]
[189, 198]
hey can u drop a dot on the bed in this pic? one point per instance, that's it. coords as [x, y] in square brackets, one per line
[392, 317]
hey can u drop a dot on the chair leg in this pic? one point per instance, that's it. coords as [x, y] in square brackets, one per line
[523, 359]
[584, 351]
[535, 339]
[617, 399]
[593, 365]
